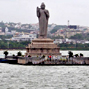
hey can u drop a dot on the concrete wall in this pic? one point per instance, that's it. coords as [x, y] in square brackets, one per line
[22, 61]
[80, 60]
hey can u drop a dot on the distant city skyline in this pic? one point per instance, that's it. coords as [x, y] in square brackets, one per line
[24, 11]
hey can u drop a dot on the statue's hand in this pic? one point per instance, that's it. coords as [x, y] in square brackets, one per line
[38, 12]
[45, 11]
[38, 8]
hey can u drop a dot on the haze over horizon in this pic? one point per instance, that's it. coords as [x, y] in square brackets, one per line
[61, 11]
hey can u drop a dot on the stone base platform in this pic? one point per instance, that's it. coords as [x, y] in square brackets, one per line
[42, 46]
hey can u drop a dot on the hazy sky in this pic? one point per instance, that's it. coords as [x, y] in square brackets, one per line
[24, 11]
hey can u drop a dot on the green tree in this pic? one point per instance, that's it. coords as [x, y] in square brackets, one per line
[77, 36]
[57, 27]
[19, 54]
[13, 55]
[5, 53]
[70, 54]
[81, 55]
[76, 55]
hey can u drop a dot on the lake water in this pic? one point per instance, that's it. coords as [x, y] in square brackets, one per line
[44, 77]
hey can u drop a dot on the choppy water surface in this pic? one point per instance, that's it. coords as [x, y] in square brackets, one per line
[43, 77]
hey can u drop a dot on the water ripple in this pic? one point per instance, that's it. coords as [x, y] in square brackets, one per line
[43, 77]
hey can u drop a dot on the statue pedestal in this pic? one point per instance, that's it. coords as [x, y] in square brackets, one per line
[42, 46]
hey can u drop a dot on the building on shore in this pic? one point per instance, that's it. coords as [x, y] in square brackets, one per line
[24, 37]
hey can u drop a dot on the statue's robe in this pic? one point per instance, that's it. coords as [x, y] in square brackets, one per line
[43, 16]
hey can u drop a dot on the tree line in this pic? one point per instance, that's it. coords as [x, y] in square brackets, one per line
[81, 36]
[13, 44]
[77, 46]
[22, 45]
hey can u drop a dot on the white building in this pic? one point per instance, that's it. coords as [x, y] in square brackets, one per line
[32, 36]
[18, 25]
[23, 37]
[13, 32]
[58, 41]
[6, 30]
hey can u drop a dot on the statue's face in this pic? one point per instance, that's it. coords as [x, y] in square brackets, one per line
[42, 6]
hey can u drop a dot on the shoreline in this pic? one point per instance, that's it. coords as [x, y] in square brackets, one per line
[60, 49]
[12, 49]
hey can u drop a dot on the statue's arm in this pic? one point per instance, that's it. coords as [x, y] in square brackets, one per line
[47, 13]
[38, 12]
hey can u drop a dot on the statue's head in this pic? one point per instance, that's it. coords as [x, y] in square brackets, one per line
[42, 6]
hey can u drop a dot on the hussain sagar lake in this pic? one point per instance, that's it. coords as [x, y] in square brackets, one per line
[43, 77]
